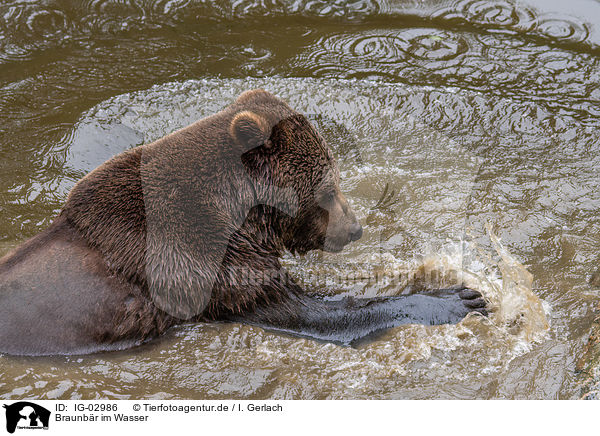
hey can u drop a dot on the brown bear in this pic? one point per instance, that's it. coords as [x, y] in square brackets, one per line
[191, 228]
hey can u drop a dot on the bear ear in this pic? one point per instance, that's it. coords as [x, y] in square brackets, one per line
[250, 129]
[255, 95]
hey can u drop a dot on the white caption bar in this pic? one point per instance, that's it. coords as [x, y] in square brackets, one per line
[31, 417]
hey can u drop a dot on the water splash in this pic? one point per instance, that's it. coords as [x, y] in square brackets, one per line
[519, 309]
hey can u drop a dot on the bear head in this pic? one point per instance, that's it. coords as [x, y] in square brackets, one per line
[300, 166]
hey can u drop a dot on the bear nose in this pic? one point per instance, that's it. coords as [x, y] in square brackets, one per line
[356, 232]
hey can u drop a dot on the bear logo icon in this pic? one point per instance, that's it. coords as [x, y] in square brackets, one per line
[26, 415]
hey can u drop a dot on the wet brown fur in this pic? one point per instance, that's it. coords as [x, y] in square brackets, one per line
[155, 217]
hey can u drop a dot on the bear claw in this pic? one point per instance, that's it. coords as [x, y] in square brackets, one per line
[473, 300]
[469, 294]
[475, 304]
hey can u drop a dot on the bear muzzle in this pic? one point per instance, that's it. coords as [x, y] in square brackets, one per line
[356, 232]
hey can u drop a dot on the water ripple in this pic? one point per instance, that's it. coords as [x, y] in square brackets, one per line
[515, 18]
[487, 62]
[560, 28]
[485, 12]
[46, 22]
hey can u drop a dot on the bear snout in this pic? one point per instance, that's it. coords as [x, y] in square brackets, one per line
[356, 232]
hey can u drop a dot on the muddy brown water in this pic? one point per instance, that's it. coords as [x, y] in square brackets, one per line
[481, 116]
